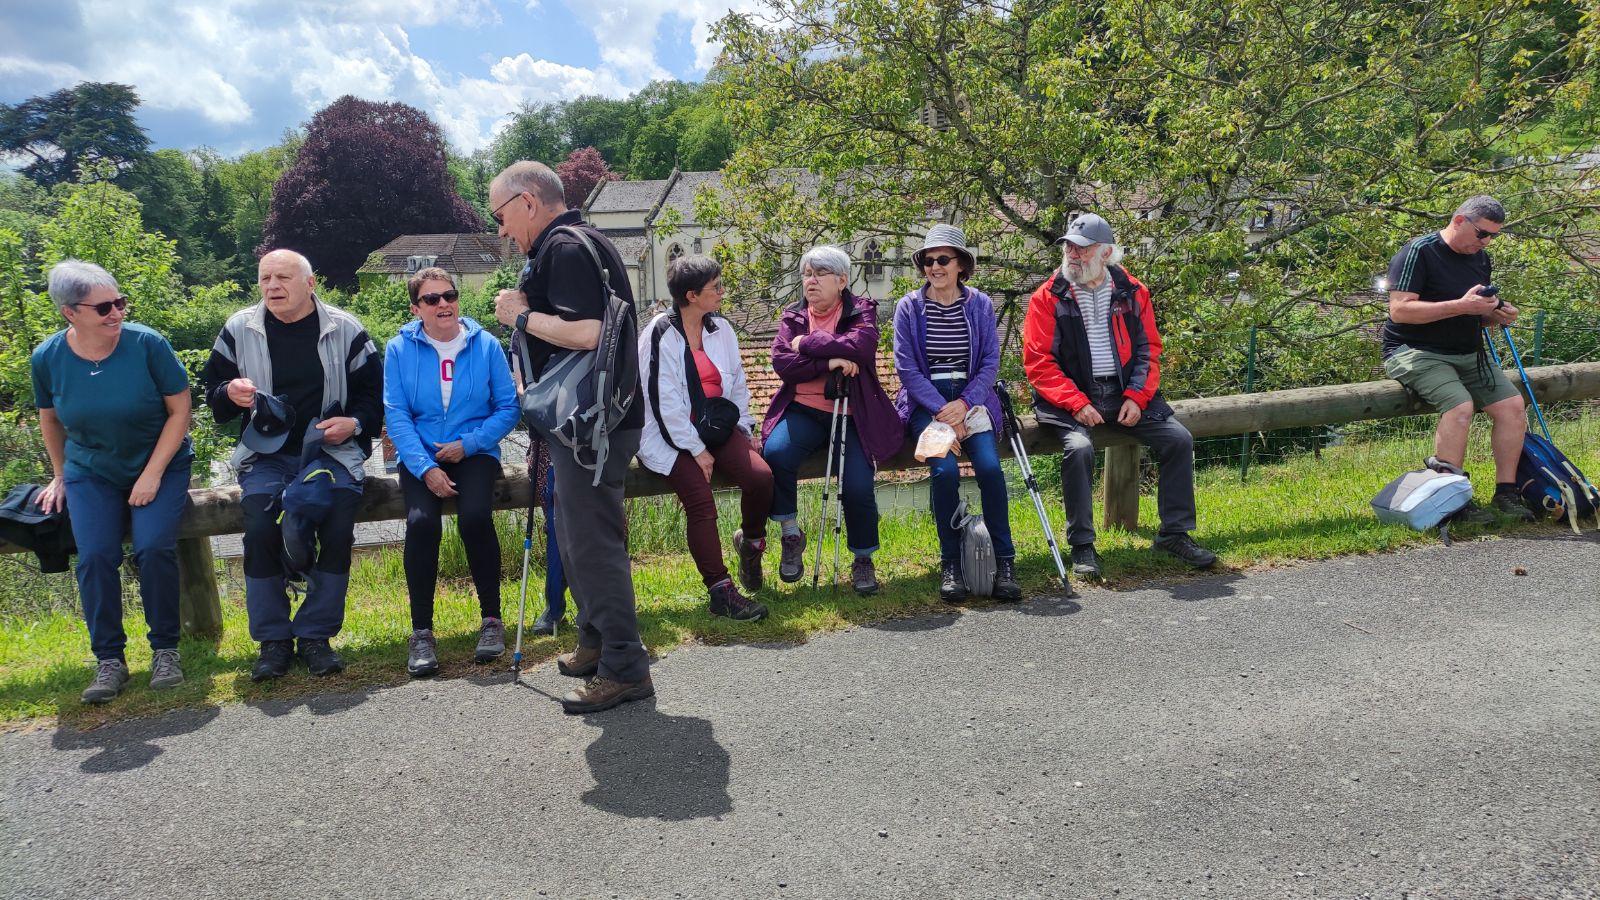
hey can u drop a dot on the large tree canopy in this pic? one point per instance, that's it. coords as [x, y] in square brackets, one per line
[1289, 144]
[64, 131]
[366, 173]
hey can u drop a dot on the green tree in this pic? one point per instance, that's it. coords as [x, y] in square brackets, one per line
[250, 180]
[65, 131]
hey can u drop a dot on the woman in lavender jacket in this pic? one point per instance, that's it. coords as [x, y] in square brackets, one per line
[947, 351]
[829, 329]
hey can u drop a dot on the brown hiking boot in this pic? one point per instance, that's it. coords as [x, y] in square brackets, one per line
[600, 693]
[580, 663]
[727, 601]
[750, 575]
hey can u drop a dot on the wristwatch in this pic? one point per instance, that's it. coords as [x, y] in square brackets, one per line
[522, 321]
[356, 432]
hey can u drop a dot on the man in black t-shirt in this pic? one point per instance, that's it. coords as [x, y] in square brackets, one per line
[1433, 343]
[559, 304]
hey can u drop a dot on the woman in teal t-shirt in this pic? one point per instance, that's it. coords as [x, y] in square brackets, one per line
[114, 411]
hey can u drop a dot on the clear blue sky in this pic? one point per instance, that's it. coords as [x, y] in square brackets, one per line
[233, 74]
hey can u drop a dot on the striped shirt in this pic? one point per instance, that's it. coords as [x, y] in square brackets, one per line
[1096, 306]
[948, 342]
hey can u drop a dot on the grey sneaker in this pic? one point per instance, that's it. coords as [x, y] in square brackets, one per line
[109, 677]
[491, 640]
[792, 560]
[863, 577]
[165, 671]
[424, 657]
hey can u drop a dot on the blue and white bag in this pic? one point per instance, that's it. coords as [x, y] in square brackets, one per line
[1423, 499]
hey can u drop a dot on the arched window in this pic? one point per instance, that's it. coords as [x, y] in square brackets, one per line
[872, 258]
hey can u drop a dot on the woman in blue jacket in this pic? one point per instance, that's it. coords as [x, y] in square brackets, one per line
[947, 351]
[449, 401]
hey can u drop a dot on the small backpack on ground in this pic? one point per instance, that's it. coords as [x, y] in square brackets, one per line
[1423, 499]
[582, 395]
[977, 552]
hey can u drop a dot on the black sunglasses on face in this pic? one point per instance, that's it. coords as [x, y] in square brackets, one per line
[1483, 235]
[498, 220]
[433, 299]
[105, 307]
[938, 260]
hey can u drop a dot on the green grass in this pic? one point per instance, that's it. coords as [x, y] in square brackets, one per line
[1299, 509]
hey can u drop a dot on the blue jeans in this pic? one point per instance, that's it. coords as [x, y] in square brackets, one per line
[944, 485]
[801, 432]
[100, 516]
[555, 580]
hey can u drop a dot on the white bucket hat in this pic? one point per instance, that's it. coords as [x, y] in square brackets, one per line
[946, 236]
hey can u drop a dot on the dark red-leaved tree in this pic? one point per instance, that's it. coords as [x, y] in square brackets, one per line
[366, 174]
[580, 172]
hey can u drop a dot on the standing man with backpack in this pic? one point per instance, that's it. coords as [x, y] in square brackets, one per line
[560, 305]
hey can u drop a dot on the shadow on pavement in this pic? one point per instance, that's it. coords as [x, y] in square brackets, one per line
[649, 765]
[316, 704]
[128, 746]
[927, 621]
[1213, 587]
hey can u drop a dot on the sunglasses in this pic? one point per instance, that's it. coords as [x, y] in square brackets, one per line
[938, 260]
[498, 220]
[1483, 235]
[433, 299]
[105, 307]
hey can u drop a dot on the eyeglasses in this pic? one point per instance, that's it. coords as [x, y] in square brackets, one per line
[1483, 234]
[105, 307]
[433, 299]
[496, 214]
[938, 260]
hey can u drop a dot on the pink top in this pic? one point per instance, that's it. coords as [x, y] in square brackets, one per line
[813, 393]
[710, 377]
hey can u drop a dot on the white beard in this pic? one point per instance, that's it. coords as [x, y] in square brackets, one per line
[1092, 272]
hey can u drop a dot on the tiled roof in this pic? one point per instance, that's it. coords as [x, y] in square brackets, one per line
[681, 197]
[460, 254]
[765, 383]
[627, 196]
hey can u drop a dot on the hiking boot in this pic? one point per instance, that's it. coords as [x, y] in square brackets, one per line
[165, 671]
[600, 693]
[749, 552]
[423, 660]
[547, 621]
[1509, 503]
[863, 577]
[320, 658]
[951, 588]
[1474, 513]
[273, 661]
[792, 560]
[1184, 547]
[580, 663]
[109, 677]
[1085, 561]
[491, 640]
[727, 601]
[1006, 588]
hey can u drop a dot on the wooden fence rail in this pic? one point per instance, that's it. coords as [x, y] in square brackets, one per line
[216, 511]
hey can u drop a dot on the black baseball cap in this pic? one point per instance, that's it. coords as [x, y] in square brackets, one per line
[271, 417]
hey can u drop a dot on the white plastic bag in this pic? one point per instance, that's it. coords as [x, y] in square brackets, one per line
[935, 441]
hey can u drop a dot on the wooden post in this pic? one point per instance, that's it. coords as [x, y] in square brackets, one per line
[1122, 485]
[199, 606]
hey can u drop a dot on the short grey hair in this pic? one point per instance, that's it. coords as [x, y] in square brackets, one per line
[1483, 206]
[534, 178]
[299, 259]
[71, 280]
[826, 258]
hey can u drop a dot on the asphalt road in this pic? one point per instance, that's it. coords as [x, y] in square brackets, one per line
[1416, 725]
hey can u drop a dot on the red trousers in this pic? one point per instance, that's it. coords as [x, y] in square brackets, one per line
[739, 462]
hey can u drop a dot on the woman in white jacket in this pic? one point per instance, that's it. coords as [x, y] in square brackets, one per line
[698, 422]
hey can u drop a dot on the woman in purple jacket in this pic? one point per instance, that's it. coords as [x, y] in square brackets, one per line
[947, 351]
[830, 329]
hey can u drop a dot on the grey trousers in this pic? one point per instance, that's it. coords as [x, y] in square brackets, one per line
[1170, 443]
[592, 535]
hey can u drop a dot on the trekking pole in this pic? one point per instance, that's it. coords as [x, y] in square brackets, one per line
[833, 387]
[838, 505]
[522, 604]
[1014, 425]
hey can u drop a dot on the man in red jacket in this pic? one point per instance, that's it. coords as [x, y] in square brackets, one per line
[1093, 357]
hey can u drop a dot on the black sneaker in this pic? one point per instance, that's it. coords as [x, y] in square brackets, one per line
[1085, 561]
[1474, 513]
[1184, 547]
[319, 657]
[727, 601]
[273, 662]
[1508, 502]
[951, 588]
[1006, 588]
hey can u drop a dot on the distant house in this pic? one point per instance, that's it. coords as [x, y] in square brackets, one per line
[470, 258]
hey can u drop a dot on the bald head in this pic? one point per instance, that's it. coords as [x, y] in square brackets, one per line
[286, 283]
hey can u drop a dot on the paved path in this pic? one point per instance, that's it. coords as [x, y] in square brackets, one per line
[1415, 725]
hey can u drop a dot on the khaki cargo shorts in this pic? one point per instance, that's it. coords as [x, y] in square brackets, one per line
[1447, 380]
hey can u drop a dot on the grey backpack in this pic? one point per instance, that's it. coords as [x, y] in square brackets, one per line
[977, 551]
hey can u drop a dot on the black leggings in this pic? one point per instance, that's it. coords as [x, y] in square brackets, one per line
[474, 478]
